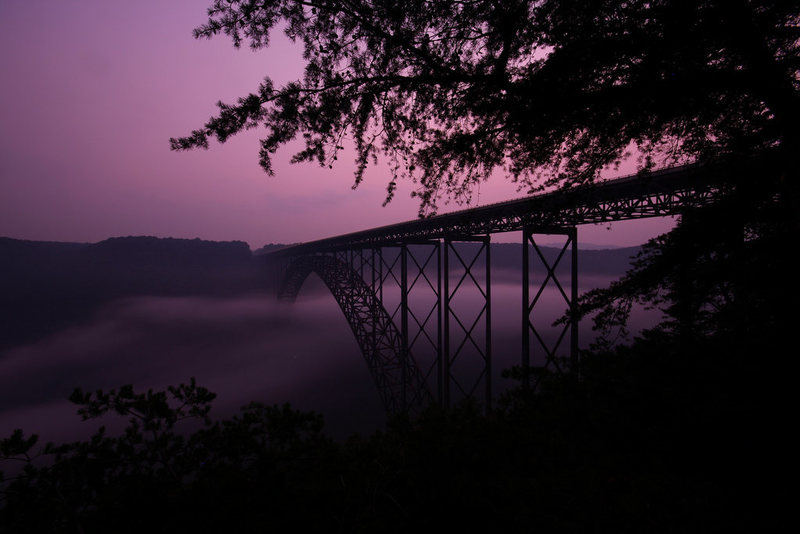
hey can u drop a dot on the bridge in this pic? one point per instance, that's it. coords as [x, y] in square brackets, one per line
[397, 285]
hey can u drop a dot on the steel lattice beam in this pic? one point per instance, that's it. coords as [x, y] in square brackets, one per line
[400, 383]
[459, 331]
[661, 193]
[549, 350]
[360, 274]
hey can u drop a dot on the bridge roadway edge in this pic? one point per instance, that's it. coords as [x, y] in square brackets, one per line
[660, 193]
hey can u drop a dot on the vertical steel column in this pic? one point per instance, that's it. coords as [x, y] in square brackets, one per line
[466, 328]
[375, 312]
[380, 275]
[528, 304]
[424, 346]
[573, 307]
[446, 313]
[526, 318]
[439, 337]
[404, 322]
[488, 324]
[372, 270]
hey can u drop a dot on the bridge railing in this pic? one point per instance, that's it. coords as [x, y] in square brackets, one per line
[390, 285]
[654, 194]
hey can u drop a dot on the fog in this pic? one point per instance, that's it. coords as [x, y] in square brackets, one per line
[247, 348]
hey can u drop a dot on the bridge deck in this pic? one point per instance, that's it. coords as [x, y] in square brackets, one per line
[659, 193]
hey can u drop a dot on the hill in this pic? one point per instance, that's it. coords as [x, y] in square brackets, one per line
[46, 286]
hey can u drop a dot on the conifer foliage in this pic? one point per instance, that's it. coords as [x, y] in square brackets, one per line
[547, 91]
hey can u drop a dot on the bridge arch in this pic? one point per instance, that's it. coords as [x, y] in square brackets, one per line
[387, 348]
[399, 381]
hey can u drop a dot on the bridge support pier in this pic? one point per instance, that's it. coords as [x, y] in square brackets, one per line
[405, 279]
[549, 349]
[460, 336]
[404, 357]
[422, 294]
[375, 300]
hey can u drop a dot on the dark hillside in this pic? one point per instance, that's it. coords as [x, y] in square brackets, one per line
[46, 286]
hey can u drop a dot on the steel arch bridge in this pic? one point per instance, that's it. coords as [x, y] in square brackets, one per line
[396, 284]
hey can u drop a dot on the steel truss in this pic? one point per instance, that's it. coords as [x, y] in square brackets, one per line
[414, 347]
[422, 308]
[550, 350]
[420, 346]
[460, 333]
[661, 193]
[400, 383]
[406, 279]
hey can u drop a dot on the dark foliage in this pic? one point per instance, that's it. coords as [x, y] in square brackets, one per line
[685, 430]
[726, 270]
[655, 437]
[549, 91]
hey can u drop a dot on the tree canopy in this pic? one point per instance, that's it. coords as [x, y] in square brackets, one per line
[548, 91]
[639, 445]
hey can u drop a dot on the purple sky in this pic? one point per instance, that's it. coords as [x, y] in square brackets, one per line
[90, 93]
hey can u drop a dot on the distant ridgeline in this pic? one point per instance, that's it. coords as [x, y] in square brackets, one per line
[45, 286]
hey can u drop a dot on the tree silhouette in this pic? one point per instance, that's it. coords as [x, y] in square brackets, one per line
[549, 91]
[723, 272]
[157, 476]
[638, 445]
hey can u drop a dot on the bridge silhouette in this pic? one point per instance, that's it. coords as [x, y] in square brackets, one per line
[397, 284]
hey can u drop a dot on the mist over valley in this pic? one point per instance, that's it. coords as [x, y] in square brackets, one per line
[154, 312]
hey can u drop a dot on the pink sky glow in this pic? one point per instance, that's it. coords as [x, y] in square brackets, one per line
[92, 90]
